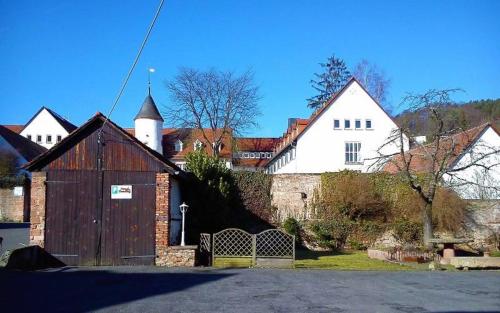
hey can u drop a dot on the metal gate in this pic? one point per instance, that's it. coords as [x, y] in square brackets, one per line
[236, 247]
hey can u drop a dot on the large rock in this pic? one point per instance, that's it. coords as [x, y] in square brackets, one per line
[32, 258]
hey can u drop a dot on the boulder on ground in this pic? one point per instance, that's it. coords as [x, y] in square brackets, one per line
[32, 258]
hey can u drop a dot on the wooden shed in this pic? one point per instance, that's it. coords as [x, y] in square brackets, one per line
[101, 197]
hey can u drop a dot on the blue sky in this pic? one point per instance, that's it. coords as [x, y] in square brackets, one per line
[72, 55]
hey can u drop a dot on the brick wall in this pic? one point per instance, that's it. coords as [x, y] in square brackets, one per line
[162, 218]
[293, 194]
[37, 216]
[11, 206]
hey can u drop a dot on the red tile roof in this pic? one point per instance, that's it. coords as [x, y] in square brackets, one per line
[15, 128]
[256, 144]
[421, 156]
[188, 136]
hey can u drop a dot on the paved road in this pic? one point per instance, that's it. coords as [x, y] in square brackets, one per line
[14, 235]
[151, 289]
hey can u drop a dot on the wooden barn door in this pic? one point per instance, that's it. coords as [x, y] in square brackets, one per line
[71, 216]
[128, 225]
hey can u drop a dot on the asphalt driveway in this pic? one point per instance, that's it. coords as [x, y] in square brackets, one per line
[153, 289]
[15, 235]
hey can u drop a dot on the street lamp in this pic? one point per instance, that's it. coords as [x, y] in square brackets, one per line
[184, 207]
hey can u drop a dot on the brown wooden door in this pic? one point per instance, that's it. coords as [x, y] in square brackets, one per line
[71, 216]
[128, 225]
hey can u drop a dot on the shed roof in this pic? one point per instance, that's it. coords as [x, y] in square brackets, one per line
[25, 147]
[71, 140]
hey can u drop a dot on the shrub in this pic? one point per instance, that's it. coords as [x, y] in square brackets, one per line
[292, 227]
[350, 193]
[407, 232]
[333, 233]
[254, 191]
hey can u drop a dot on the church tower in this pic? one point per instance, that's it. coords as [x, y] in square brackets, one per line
[149, 124]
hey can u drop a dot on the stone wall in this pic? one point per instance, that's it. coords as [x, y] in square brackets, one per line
[293, 195]
[482, 222]
[37, 215]
[184, 256]
[12, 206]
[162, 218]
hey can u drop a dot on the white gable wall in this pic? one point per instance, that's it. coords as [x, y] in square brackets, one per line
[44, 124]
[469, 183]
[321, 148]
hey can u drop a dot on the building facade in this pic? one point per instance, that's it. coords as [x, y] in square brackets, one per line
[346, 133]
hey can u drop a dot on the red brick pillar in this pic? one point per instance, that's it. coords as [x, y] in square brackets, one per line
[37, 215]
[162, 218]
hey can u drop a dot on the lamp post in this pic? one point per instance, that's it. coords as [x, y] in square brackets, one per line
[184, 207]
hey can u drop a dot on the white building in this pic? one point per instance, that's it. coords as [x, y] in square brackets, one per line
[47, 128]
[477, 165]
[344, 134]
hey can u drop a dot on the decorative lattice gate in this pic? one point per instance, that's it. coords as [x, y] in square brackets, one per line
[236, 247]
[274, 248]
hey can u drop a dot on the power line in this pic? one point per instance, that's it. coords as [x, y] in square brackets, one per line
[136, 60]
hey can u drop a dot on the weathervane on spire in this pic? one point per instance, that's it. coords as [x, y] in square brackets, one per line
[150, 70]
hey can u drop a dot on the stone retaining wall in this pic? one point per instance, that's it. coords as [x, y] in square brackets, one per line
[184, 256]
[293, 194]
[11, 206]
[482, 222]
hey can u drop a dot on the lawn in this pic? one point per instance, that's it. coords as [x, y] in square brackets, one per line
[347, 260]
[342, 261]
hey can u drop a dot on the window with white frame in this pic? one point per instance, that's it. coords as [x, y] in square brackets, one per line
[269, 155]
[58, 138]
[352, 152]
[347, 124]
[357, 124]
[336, 124]
[48, 139]
[197, 145]
[38, 138]
[368, 124]
[28, 136]
[179, 146]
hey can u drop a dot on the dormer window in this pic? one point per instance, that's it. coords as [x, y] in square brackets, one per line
[197, 145]
[178, 146]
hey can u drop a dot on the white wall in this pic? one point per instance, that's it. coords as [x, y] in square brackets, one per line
[476, 182]
[44, 124]
[321, 148]
[175, 212]
[149, 132]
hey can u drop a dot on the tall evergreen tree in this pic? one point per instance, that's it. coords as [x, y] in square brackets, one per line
[334, 76]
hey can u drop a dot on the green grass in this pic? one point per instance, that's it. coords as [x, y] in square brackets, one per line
[495, 253]
[348, 260]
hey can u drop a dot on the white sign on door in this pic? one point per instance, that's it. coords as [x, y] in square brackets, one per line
[121, 191]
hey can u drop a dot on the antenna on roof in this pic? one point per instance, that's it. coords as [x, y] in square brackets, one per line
[150, 70]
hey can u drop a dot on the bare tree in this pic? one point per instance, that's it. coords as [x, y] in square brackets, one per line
[374, 80]
[215, 102]
[440, 162]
